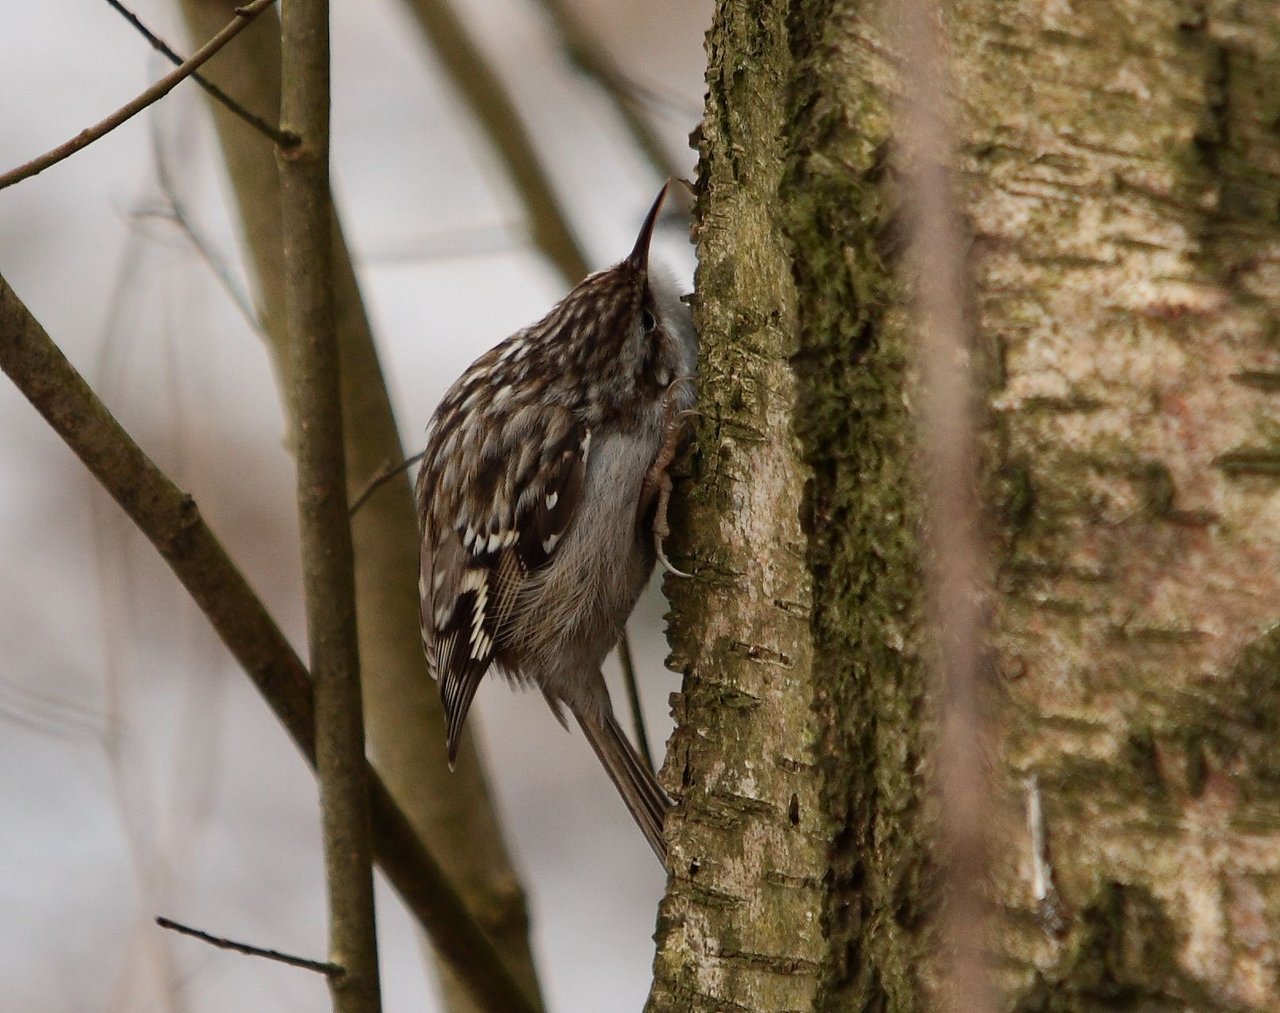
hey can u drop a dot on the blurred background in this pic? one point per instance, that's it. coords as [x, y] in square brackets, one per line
[140, 774]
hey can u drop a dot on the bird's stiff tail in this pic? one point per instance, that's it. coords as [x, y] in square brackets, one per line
[632, 777]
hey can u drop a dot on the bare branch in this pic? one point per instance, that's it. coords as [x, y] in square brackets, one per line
[315, 405]
[170, 520]
[319, 966]
[157, 91]
[384, 476]
[956, 568]
[211, 89]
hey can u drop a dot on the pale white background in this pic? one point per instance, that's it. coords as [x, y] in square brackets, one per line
[139, 773]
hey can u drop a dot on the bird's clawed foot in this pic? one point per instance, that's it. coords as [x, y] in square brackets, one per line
[657, 480]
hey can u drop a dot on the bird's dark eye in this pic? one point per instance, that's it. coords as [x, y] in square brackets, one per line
[647, 321]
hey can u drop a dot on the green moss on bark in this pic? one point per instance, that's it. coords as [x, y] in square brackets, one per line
[860, 516]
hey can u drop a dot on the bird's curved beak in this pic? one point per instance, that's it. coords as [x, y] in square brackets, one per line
[639, 256]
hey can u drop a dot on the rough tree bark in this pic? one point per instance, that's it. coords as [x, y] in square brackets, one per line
[1120, 171]
[799, 717]
[1126, 208]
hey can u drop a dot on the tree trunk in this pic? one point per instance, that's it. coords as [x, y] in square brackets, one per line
[1126, 205]
[1120, 169]
[797, 851]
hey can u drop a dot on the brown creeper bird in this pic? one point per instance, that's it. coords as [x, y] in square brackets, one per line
[542, 504]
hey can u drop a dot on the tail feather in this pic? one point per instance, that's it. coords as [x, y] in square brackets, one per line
[456, 693]
[635, 782]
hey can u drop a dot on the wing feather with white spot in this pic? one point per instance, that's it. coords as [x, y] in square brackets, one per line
[486, 528]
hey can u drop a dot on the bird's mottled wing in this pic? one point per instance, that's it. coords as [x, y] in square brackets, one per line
[497, 492]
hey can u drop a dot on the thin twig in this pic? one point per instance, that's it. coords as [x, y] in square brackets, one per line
[49, 712]
[157, 91]
[319, 966]
[68, 728]
[628, 666]
[172, 523]
[382, 478]
[955, 555]
[216, 93]
[133, 793]
[328, 559]
[176, 213]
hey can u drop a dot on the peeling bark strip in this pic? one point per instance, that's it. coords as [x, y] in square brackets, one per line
[1122, 170]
